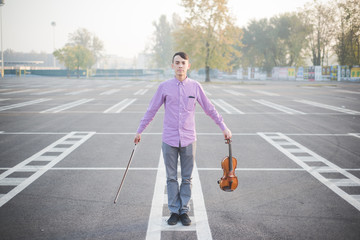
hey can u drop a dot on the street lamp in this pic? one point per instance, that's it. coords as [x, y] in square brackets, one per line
[53, 24]
[2, 2]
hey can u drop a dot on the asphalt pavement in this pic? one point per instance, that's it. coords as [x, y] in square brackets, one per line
[65, 145]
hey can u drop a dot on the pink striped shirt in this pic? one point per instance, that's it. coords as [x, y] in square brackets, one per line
[179, 99]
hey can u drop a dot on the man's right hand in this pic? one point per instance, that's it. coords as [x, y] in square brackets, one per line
[137, 138]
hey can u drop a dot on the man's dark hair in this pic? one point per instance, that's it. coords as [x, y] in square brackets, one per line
[182, 55]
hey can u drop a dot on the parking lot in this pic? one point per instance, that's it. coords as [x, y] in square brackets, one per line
[65, 144]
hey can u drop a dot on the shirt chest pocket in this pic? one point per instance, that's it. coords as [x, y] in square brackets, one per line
[191, 101]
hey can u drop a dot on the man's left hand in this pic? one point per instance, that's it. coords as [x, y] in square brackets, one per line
[227, 133]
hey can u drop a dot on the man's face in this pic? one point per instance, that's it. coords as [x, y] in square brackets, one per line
[180, 66]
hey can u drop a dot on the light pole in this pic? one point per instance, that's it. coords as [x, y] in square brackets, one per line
[2, 2]
[53, 24]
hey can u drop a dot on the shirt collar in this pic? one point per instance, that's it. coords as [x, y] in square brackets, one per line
[181, 82]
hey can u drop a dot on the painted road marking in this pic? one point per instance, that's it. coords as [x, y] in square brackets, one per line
[207, 93]
[19, 91]
[199, 133]
[201, 219]
[67, 106]
[327, 167]
[155, 169]
[47, 92]
[109, 92]
[226, 106]
[32, 164]
[278, 107]
[17, 105]
[120, 106]
[357, 135]
[266, 93]
[233, 92]
[5, 89]
[157, 222]
[347, 91]
[150, 85]
[141, 92]
[79, 92]
[321, 105]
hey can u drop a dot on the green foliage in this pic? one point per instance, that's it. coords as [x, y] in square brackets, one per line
[75, 57]
[81, 52]
[320, 18]
[347, 46]
[163, 47]
[276, 42]
[88, 40]
[209, 36]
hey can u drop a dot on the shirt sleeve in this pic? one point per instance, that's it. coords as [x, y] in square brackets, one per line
[155, 104]
[209, 108]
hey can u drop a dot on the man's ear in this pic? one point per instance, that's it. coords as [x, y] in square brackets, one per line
[189, 66]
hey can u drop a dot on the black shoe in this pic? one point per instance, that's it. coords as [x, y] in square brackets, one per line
[185, 220]
[174, 218]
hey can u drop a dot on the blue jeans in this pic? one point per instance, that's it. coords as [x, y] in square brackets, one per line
[179, 198]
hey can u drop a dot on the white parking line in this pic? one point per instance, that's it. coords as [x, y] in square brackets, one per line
[155, 219]
[226, 106]
[19, 91]
[355, 135]
[233, 92]
[17, 105]
[278, 107]
[109, 92]
[347, 91]
[157, 222]
[47, 92]
[120, 106]
[141, 92]
[30, 165]
[207, 93]
[67, 106]
[321, 105]
[298, 153]
[79, 92]
[266, 93]
[150, 85]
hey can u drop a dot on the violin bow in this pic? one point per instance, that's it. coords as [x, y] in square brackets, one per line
[127, 168]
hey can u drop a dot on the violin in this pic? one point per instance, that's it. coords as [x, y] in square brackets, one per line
[228, 181]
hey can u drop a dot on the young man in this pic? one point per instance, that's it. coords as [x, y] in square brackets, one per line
[179, 96]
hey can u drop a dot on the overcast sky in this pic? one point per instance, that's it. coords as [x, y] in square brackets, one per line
[125, 26]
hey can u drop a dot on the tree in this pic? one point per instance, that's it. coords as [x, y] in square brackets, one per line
[75, 57]
[209, 35]
[88, 40]
[347, 46]
[275, 42]
[256, 42]
[320, 17]
[289, 35]
[163, 47]
[81, 52]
